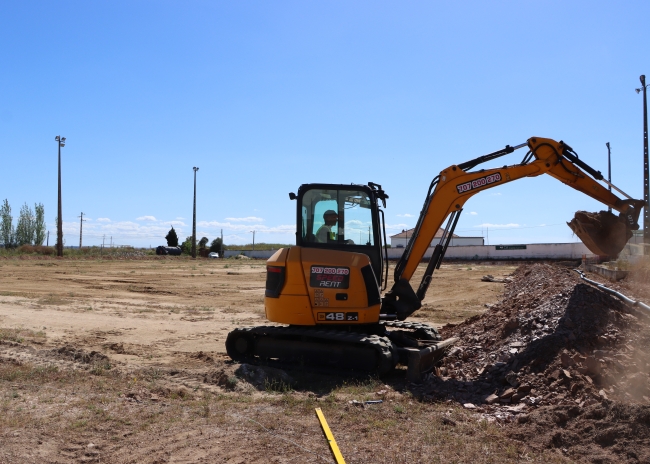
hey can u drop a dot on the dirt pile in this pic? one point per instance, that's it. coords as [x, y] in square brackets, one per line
[637, 283]
[611, 432]
[603, 233]
[74, 354]
[555, 350]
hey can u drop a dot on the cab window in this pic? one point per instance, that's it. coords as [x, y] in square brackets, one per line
[337, 217]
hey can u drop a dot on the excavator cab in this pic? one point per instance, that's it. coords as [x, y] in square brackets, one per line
[338, 217]
[327, 289]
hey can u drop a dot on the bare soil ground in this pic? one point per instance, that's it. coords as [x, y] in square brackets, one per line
[124, 361]
[567, 362]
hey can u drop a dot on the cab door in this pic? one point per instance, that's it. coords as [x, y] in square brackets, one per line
[356, 228]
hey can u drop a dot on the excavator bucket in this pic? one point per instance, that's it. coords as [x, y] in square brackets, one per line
[422, 361]
[604, 233]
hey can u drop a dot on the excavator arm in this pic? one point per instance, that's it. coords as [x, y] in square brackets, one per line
[455, 185]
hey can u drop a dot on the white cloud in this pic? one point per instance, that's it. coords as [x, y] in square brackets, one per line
[146, 218]
[180, 218]
[123, 232]
[405, 215]
[246, 219]
[499, 226]
[154, 232]
[398, 227]
[496, 194]
[259, 228]
[473, 213]
[234, 238]
[355, 226]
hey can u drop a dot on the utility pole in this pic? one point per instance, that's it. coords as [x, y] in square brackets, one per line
[59, 222]
[609, 170]
[48, 238]
[194, 218]
[646, 213]
[81, 229]
[253, 242]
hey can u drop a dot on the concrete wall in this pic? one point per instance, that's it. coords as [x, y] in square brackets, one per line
[633, 252]
[257, 254]
[479, 252]
[533, 251]
[455, 241]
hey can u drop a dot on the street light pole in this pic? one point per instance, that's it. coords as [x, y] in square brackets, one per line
[81, 229]
[194, 218]
[646, 213]
[59, 221]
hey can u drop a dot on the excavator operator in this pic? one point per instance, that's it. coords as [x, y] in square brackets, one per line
[325, 233]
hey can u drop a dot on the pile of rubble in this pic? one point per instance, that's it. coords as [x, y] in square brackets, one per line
[552, 343]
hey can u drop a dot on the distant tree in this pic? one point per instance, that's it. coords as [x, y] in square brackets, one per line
[187, 245]
[172, 238]
[26, 226]
[6, 227]
[215, 246]
[203, 242]
[39, 225]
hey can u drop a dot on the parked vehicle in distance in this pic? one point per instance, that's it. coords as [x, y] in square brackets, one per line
[213, 255]
[167, 250]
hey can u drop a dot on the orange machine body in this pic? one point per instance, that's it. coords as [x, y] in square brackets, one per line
[320, 287]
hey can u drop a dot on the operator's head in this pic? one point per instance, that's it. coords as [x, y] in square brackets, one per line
[330, 217]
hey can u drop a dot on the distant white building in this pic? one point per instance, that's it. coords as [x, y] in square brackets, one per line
[400, 240]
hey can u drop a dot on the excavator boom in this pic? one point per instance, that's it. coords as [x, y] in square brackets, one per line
[454, 186]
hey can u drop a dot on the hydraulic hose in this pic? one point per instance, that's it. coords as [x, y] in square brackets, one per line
[630, 301]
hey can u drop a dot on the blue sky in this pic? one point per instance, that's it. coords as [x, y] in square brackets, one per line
[264, 96]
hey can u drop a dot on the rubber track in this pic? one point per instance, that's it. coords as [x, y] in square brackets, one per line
[384, 348]
[430, 330]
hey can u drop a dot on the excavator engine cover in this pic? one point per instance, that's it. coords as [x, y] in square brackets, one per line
[604, 233]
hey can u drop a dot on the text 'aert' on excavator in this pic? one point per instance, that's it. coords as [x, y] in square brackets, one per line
[327, 289]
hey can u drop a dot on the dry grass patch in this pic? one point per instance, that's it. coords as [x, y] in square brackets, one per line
[19, 335]
[140, 416]
[54, 300]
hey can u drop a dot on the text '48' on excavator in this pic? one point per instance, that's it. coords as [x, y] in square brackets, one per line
[327, 289]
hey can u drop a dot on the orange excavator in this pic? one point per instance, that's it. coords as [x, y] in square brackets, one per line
[327, 289]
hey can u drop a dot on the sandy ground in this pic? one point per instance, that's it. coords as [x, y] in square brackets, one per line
[123, 361]
[155, 312]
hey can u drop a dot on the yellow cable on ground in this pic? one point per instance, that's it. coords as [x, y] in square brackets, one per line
[330, 438]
